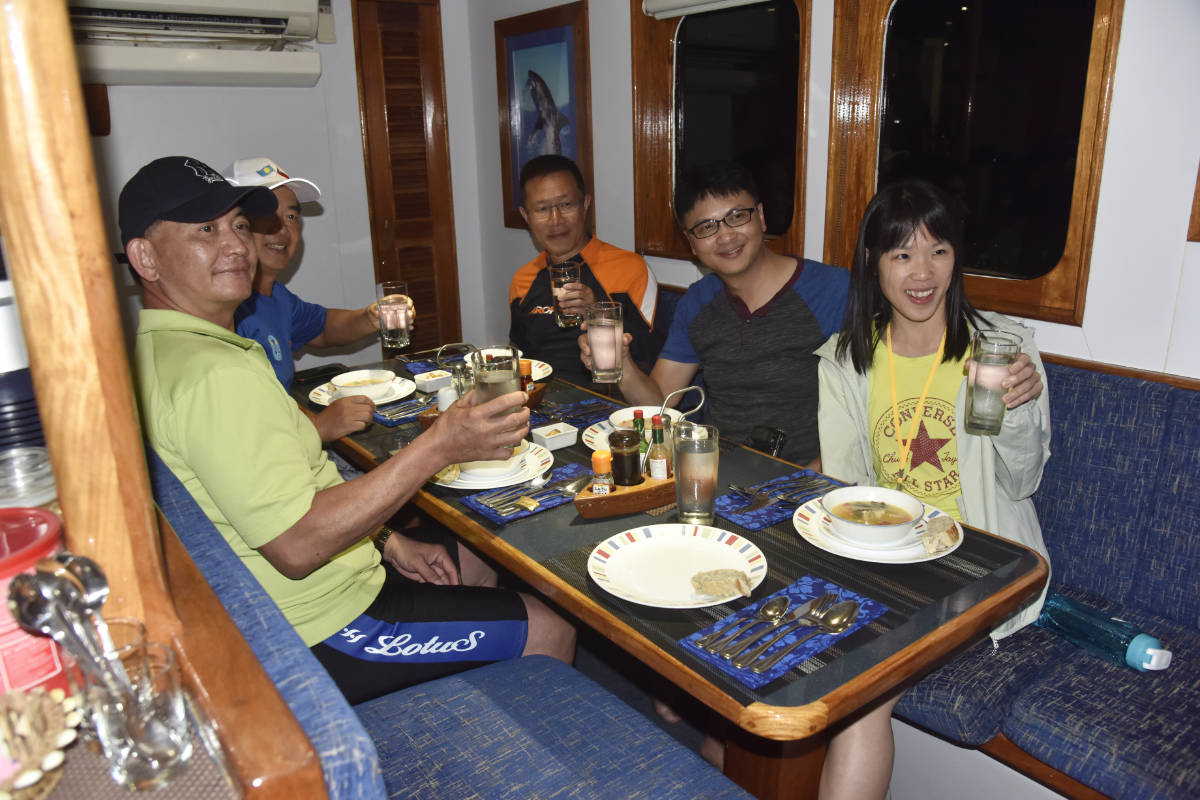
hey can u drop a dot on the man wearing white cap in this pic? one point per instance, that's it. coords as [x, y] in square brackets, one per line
[279, 320]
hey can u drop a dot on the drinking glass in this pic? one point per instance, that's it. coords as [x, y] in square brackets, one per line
[394, 322]
[605, 330]
[696, 460]
[991, 354]
[143, 730]
[497, 371]
[560, 276]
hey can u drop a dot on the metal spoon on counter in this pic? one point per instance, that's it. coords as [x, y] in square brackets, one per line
[95, 591]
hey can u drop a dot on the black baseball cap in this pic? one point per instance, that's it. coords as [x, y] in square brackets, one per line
[184, 189]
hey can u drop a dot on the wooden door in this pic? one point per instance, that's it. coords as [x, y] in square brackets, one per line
[403, 104]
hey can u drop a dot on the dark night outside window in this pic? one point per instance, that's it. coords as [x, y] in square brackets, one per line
[736, 78]
[984, 98]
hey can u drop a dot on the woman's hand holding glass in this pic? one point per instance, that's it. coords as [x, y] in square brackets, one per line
[1023, 382]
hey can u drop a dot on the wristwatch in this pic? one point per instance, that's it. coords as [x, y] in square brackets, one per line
[380, 539]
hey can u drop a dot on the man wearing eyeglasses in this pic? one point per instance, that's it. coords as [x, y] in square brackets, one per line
[555, 203]
[751, 326]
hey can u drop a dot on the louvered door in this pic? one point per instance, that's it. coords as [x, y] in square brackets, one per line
[402, 97]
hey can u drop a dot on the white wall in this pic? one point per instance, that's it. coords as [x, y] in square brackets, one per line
[312, 133]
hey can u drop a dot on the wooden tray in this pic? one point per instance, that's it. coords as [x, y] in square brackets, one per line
[650, 493]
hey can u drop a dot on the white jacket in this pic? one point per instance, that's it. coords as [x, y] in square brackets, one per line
[997, 474]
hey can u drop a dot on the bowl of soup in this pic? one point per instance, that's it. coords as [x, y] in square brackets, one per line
[872, 516]
[372, 383]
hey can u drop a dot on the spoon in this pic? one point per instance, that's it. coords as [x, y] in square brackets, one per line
[95, 591]
[773, 609]
[35, 608]
[570, 489]
[837, 620]
[804, 616]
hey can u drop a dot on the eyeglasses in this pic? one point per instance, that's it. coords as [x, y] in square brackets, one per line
[566, 208]
[709, 227]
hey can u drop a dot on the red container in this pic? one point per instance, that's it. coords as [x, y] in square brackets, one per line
[27, 660]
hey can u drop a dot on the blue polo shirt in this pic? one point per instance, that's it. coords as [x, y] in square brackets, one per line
[282, 323]
[759, 368]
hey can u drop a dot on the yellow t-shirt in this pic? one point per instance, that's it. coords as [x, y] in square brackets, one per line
[931, 471]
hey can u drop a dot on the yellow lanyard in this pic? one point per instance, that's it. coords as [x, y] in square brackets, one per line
[905, 448]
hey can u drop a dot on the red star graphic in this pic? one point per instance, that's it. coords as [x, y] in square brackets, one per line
[925, 449]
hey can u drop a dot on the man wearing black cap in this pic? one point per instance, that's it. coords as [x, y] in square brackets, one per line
[214, 411]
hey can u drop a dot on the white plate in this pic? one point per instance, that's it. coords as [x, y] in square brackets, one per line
[537, 460]
[541, 370]
[812, 523]
[400, 389]
[654, 565]
[596, 436]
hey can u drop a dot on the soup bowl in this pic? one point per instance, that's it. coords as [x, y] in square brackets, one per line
[884, 516]
[372, 383]
[495, 469]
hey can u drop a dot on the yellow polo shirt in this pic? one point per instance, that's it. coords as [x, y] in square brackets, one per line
[214, 411]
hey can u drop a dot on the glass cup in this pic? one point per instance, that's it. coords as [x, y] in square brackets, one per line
[696, 458]
[560, 276]
[605, 330]
[991, 354]
[394, 313]
[143, 730]
[497, 371]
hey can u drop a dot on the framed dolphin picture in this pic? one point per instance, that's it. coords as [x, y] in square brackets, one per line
[544, 97]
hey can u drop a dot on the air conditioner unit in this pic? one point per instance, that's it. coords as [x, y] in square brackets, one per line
[196, 42]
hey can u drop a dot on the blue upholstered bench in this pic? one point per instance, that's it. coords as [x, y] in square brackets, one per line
[531, 727]
[1119, 505]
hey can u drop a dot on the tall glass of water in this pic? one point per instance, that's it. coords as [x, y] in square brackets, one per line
[991, 354]
[560, 276]
[497, 371]
[605, 330]
[395, 323]
[696, 457]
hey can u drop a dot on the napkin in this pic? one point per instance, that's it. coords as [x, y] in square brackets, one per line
[727, 505]
[580, 414]
[565, 472]
[799, 592]
[391, 423]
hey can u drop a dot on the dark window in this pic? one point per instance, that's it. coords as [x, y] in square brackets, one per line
[736, 78]
[984, 97]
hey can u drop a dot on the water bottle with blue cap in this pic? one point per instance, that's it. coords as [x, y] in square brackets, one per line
[1114, 640]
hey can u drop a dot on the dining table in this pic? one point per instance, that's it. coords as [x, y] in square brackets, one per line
[924, 610]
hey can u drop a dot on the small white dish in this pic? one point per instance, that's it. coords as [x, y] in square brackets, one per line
[555, 435]
[430, 382]
[873, 534]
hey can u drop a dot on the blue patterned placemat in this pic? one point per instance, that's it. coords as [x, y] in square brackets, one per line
[580, 414]
[557, 474]
[391, 423]
[727, 505]
[421, 367]
[799, 592]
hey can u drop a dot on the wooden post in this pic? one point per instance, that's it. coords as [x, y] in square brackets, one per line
[61, 269]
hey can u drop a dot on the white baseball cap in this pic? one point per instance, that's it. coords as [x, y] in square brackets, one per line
[262, 171]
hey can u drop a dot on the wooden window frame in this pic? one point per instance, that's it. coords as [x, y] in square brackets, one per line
[653, 43]
[859, 27]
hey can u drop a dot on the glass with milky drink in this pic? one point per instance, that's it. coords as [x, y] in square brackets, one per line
[497, 371]
[991, 354]
[394, 313]
[696, 460]
[560, 276]
[605, 330]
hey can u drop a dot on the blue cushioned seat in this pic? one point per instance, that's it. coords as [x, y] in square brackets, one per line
[347, 754]
[530, 728]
